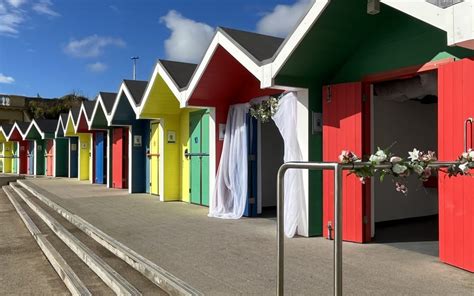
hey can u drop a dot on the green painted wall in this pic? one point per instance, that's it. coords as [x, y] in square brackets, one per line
[336, 51]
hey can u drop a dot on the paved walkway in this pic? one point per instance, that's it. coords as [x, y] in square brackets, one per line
[24, 270]
[224, 257]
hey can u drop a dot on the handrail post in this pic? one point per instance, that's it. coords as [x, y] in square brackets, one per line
[280, 230]
[338, 230]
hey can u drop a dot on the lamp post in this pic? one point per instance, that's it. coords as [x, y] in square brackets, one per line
[134, 59]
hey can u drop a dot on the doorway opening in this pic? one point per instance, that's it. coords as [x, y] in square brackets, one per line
[404, 117]
[270, 158]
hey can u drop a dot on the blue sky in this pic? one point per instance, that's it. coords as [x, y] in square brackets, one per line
[54, 47]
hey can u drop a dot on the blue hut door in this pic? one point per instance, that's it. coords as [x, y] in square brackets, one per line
[99, 158]
[252, 136]
[73, 157]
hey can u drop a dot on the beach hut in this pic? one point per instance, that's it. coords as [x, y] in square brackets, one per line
[227, 82]
[83, 144]
[401, 73]
[82, 127]
[67, 147]
[6, 148]
[20, 153]
[129, 139]
[42, 131]
[169, 145]
[103, 137]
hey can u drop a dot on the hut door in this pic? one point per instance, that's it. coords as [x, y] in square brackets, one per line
[49, 157]
[73, 157]
[252, 133]
[154, 156]
[99, 157]
[199, 156]
[343, 130]
[120, 158]
[456, 203]
[23, 158]
[31, 153]
[40, 157]
[15, 158]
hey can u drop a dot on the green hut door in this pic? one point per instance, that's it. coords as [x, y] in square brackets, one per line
[199, 156]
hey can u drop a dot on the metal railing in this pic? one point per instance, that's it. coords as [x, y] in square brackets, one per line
[338, 169]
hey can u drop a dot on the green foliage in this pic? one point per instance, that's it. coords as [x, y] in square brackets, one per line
[40, 108]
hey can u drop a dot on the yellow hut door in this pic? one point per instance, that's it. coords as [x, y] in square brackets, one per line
[154, 158]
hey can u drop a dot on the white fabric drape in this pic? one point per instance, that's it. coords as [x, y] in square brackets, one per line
[230, 194]
[286, 120]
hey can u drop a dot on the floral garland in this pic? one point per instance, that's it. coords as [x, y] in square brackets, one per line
[264, 110]
[416, 164]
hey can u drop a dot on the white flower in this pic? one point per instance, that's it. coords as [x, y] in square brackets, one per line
[471, 154]
[378, 157]
[418, 169]
[465, 155]
[414, 155]
[464, 167]
[399, 169]
[395, 159]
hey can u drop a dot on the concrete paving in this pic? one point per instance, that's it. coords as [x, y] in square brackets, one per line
[24, 270]
[232, 257]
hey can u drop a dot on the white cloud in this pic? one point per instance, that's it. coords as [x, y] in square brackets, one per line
[16, 3]
[10, 22]
[45, 7]
[283, 19]
[189, 39]
[6, 79]
[91, 46]
[97, 67]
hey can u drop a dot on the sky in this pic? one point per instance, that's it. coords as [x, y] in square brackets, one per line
[54, 47]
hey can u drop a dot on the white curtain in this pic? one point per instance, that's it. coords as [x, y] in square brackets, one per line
[286, 120]
[230, 193]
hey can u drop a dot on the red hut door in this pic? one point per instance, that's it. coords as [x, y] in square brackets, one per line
[120, 158]
[456, 202]
[343, 129]
[49, 157]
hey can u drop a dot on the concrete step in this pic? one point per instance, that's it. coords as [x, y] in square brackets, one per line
[63, 269]
[160, 277]
[68, 234]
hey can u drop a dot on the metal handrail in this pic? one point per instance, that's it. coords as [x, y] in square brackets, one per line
[338, 168]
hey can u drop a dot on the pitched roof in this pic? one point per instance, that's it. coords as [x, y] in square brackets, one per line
[7, 127]
[109, 99]
[262, 47]
[180, 72]
[63, 118]
[47, 125]
[136, 88]
[89, 107]
[23, 126]
[75, 113]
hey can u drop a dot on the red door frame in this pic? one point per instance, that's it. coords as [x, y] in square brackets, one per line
[367, 81]
[457, 249]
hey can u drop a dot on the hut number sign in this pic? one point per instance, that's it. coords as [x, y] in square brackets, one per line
[137, 141]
